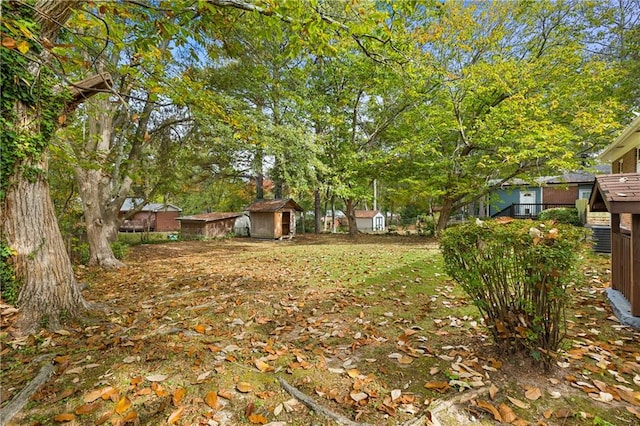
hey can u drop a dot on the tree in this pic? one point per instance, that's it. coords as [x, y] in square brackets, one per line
[30, 113]
[518, 98]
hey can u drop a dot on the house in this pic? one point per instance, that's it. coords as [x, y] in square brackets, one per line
[208, 225]
[624, 153]
[273, 219]
[158, 217]
[523, 199]
[369, 220]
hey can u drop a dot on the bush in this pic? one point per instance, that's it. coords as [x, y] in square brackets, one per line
[567, 216]
[517, 274]
[119, 249]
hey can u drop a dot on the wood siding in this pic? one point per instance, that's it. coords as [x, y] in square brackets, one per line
[555, 195]
[262, 225]
[201, 229]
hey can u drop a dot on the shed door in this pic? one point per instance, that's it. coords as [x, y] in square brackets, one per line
[527, 203]
[286, 223]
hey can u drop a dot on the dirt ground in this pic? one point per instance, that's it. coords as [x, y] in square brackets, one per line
[370, 331]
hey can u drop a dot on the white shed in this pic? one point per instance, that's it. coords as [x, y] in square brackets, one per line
[369, 220]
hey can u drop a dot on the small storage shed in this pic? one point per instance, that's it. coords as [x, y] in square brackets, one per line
[273, 219]
[619, 194]
[208, 225]
[369, 220]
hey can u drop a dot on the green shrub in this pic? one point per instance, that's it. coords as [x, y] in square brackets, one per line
[119, 249]
[564, 215]
[10, 285]
[517, 274]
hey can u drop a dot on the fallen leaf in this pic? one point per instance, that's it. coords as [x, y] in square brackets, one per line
[211, 398]
[223, 393]
[156, 377]
[493, 390]
[93, 395]
[130, 417]
[175, 416]
[244, 387]
[395, 394]
[441, 387]
[257, 419]
[533, 393]
[263, 366]
[123, 405]
[110, 393]
[104, 417]
[506, 413]
[358, 396]
[87, 408]
[490, 408]
[64, 417]
[353, 373]
[278, 409]
[518, 403]
[178, 394]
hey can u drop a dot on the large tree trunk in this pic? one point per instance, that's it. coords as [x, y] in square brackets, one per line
[27, 218]
[350, 206]
[101, 219]
[317, 210]
[49, 287]
[445, 214]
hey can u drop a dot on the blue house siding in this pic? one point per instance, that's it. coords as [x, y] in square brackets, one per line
[504, 197]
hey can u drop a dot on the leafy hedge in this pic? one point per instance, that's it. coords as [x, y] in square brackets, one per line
[568, 216]
[517, 274]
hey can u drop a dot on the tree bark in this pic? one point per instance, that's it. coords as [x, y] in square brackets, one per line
[350, 206]
[28, 222]
[445, 215]
[49, 289]
[317, 210]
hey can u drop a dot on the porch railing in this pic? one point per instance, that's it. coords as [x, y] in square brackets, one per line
[528, 211]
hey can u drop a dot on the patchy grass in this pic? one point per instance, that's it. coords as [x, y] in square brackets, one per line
[369, 328]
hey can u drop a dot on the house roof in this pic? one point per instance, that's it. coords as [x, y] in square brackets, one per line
[209, 217]
[274, 205]
[132, 203]
[366, 214]
[628, 139]
[619, 193]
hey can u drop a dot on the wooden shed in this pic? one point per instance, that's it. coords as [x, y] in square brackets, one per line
[619, 194]
[208, 225]
[273, 219]
[369, 220]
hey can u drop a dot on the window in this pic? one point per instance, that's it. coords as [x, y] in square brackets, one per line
[620, 166]
[584, 193]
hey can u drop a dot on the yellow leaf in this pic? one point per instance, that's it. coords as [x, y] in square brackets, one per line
[178, 394]
[64, 417]
[258, 419]
[123, 405]
[110, 393]
[175, 416]
[104, 417]
[244, 387]
[130, 417]
[405, 360]
[23, 46]
[353, 373]
[211, 399]
[198, 328]
[263, 366]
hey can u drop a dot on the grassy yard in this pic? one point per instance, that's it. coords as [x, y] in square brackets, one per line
[200, 332]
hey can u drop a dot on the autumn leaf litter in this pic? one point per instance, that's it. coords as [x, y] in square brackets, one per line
[200, 332]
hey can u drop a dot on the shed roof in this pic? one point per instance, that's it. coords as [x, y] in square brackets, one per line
[366, 214]
[132, 203]
[209, 217]
[619, 193]
[274, 205]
